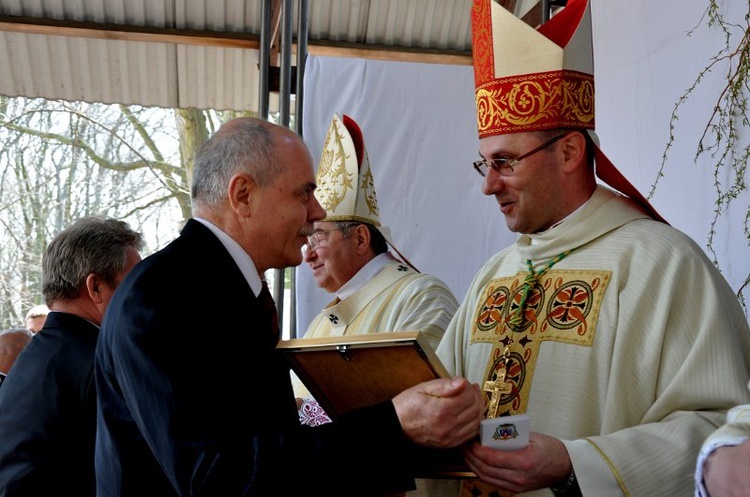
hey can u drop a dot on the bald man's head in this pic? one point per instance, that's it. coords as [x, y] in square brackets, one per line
[12, 342]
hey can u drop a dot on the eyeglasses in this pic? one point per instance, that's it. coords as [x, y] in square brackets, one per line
[504, 165]
[314, 240]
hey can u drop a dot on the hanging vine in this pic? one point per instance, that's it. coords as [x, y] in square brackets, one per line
[728, 126]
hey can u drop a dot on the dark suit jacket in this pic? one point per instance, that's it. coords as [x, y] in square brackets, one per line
[194, 399]
[48, 413]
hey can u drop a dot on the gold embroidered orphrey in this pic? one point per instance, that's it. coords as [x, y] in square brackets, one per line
[520, 103]
[563, 306]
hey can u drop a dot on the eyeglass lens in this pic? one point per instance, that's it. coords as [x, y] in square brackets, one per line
[504, 166]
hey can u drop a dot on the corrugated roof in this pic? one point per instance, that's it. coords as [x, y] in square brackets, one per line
[202, 53]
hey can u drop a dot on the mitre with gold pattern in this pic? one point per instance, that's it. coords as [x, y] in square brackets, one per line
[530, 79]
[346, 186]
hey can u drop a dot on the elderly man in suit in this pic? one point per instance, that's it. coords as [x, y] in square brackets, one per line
[183, 414]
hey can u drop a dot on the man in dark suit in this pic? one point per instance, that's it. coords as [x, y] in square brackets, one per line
[188, 408]
[47, 402]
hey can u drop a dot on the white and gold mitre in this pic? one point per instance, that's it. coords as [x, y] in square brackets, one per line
[346, 188]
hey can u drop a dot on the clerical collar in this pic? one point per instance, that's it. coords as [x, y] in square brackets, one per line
[241, 258]
[579, 209]
[364, 275]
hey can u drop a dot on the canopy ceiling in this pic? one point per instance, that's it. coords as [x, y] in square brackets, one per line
[206, 53]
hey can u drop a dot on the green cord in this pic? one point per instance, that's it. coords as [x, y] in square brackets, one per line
[528, 283]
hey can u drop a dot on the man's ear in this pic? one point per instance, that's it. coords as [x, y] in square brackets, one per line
[574, 151]
[362, 234]
[94, 288]
[241, 193]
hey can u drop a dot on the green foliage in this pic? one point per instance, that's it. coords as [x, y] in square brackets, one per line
[725, 135]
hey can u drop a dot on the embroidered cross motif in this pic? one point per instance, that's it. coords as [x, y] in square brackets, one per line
[333, 318]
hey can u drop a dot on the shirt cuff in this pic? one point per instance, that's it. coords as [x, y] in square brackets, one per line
[707, 450]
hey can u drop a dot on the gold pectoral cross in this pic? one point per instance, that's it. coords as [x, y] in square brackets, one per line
[496, 388]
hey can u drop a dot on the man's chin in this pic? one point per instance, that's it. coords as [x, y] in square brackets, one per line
[294, 261]
[290, 260]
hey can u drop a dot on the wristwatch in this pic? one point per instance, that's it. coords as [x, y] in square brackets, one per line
[567, 487]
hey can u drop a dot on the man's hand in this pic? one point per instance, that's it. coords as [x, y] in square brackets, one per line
[440, 413]
[542, 463]
[725, 472]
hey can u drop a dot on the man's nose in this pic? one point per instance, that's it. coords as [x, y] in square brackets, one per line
[309, 254]
[316, 212]
[493, 182]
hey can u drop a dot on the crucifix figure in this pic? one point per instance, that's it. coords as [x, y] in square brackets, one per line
[495, 389]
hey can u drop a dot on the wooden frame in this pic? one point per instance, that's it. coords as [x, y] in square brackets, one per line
[347, 372]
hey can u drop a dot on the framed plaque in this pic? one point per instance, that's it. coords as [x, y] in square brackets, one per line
[346, 372]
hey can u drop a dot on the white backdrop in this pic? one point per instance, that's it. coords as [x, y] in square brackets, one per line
[419, 127]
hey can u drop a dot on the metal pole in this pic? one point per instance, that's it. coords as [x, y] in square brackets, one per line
[302, 33]
[545, 11]
[264, 58]
[264, 65]
[285, 85]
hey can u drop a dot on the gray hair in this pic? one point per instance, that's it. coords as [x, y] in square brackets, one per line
[378, 243]
[89, 245]
[241, 145]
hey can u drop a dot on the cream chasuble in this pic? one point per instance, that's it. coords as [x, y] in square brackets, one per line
[632, 346]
